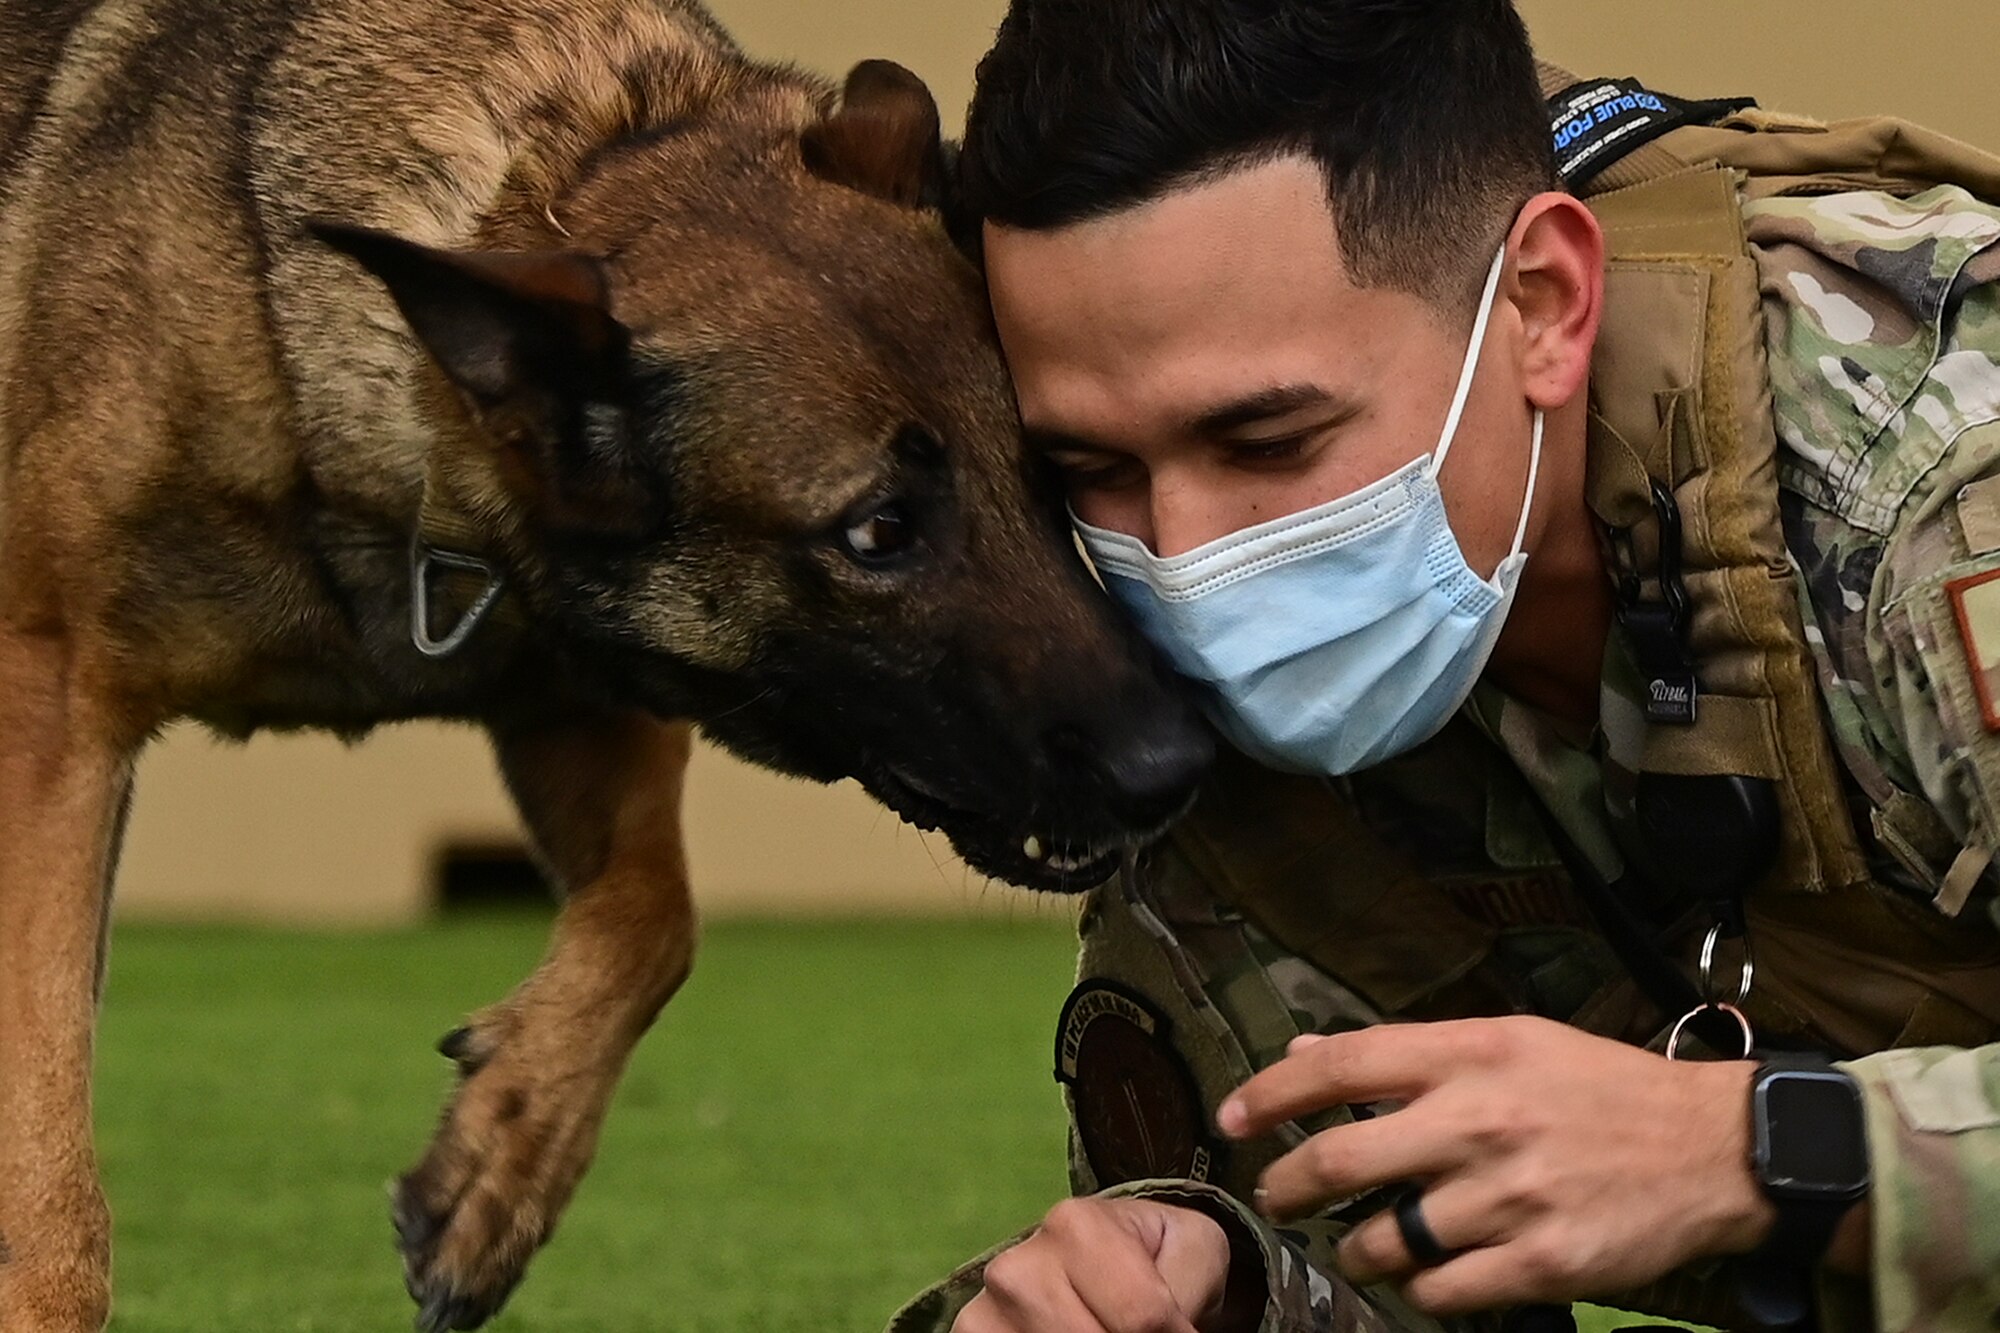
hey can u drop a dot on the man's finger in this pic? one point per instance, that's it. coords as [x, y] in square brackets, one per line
[982, 1315]
[1116, 1274]
[1194, 1258]
[1462, 1215]
[1392, 1062]
[1029, 1289]
[1348, 1160]
[1485, 1279]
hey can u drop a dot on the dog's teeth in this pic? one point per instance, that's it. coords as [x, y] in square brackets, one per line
[1032, 848]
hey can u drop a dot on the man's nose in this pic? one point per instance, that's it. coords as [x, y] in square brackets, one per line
[1184, 517]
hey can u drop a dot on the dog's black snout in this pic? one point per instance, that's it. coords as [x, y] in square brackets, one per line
[1145, 769]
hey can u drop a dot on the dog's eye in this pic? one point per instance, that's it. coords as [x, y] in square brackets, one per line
[882, 536]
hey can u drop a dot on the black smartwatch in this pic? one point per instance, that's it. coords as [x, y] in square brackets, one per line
[1809, 1149]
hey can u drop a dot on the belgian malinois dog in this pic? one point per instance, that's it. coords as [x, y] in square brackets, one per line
[552, 366]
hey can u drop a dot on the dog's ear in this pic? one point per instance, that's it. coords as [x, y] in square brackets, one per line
[509, 329]
[883, 139]
[531, 342]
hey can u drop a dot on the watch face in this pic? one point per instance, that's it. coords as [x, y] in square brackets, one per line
[1811, 1140]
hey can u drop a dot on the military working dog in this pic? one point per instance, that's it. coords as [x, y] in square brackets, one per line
[548, 365]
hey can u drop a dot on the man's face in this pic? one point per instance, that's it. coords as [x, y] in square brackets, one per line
[1203, 362]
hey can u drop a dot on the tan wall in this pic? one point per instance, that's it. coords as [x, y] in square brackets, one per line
[306, 829]
[1932, 61]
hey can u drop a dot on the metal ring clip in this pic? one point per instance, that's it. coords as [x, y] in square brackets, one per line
[1743, 1023]
[1745, 976]
[422, 559]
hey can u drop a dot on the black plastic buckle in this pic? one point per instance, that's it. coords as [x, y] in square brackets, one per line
[1658, 631]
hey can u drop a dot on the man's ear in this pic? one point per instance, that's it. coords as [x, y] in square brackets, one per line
[529, 339]
[1559, 287]
[883, 139]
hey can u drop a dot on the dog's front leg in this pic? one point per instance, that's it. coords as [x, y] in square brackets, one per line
[64, 776]
[602, 800]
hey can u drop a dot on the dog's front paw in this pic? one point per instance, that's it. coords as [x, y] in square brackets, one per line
[516, 1137]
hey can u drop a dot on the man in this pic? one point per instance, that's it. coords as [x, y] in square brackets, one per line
[1629, 641]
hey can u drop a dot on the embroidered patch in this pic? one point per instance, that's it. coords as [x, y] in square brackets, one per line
[1597, 122]
[1976, 600]
[1138, 1113]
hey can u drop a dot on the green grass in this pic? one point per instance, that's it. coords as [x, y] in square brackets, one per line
[826, 1119]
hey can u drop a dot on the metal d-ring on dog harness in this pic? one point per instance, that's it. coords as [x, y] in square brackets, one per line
[446, 540]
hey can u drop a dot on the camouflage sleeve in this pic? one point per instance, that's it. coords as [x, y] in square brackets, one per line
[936, 1308]
[1298, 1298]
[1884, 319]
[1938, 654]
[1934, 639]
[1934, 1142]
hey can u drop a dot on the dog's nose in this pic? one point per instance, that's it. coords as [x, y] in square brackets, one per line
[1146, 768]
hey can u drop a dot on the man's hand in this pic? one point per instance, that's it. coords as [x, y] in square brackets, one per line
[1555, 1165]
[1106, 1266]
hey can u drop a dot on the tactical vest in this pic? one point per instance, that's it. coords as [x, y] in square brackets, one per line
[1682, 452]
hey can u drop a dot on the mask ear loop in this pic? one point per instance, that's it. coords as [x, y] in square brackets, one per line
[1471, 366]
[1534, 471]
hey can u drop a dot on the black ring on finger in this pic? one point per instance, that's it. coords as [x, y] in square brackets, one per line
[1418, 1237]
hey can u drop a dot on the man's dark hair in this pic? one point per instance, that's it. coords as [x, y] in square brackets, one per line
[1426, 117]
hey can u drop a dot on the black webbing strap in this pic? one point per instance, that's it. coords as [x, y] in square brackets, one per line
[1599, 121]
[1636, 943]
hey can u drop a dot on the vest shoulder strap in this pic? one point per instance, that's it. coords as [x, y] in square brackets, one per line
[1642, 135]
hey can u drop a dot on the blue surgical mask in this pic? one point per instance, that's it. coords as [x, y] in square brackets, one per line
[1341, 636]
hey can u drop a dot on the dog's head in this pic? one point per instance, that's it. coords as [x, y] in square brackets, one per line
[755, 443]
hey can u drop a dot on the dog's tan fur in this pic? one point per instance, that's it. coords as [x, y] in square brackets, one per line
[215, 435]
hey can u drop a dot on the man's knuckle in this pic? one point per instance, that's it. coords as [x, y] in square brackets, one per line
[1075, 1221]
[1490, 1122]
[1490, 1129]
[1490, 1042]
[1375, 1247]
[1547, 1264]
[1529, 1185]
[1326, 1158]
[1430, 1295]
[1335, 1050]
[1154, 1312]
[1009, 1271]
[1066, 1216]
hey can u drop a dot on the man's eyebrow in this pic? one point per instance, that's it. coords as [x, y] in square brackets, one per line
[1043, 440]
[1264, 404]
[1276, 401]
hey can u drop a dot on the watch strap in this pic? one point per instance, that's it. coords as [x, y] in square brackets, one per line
[1776, 1281]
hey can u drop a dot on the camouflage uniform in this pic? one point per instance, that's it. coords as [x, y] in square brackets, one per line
[1883, 324]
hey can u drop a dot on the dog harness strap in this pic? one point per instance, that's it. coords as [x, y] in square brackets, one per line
[443, 526]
